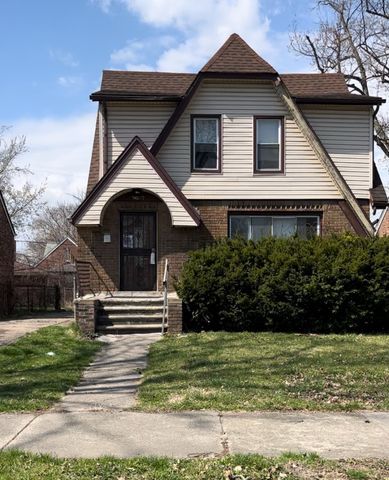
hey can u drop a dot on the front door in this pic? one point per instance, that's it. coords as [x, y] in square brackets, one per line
[137, 251]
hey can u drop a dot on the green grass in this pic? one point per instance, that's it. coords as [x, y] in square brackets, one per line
[32, 380]
[24, 466]
[267, 371]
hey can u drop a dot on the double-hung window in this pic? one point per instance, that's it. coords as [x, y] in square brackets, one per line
[268, 137]
[206, 143]
[255, 227]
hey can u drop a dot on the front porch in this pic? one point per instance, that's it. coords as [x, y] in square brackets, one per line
[128, 312]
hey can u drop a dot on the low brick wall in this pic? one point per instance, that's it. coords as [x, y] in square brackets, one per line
[86, 315]
[174, 314]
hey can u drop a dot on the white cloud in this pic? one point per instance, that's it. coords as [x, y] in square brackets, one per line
[66, 58]
[200, 28]
[70, 81]
[131, 55]
[59, 152]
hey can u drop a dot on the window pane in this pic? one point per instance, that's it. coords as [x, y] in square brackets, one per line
[284, 226]
[205, 130]
[206, 155]
[268, 130]
[240, 226]
[260, 227]
[205, 143]
[268, 157]
[307, 227]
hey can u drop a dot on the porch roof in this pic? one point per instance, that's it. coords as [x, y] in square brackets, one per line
[136, 168]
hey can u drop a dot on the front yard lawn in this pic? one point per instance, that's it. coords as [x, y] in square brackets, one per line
[267, 371]
[24, 466]
[40, 367]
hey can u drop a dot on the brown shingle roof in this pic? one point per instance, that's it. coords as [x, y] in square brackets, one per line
[235, 56]
[310, 86]
[146, 83]
[315, 84]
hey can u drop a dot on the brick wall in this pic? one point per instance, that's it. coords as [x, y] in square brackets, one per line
[7, 260]
[86, 314]
[174, 243]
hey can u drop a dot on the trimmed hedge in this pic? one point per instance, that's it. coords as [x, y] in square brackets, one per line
[333, 284]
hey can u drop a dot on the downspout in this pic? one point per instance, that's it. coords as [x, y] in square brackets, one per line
[327, 162]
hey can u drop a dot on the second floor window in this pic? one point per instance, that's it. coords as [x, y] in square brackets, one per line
[268, 145]
[206, 143]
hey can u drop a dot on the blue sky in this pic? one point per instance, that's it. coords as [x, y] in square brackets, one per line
[52, 53]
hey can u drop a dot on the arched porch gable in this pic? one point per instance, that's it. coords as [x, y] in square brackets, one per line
[136, 168]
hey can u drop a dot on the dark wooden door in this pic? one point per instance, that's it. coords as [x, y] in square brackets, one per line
[137, 251]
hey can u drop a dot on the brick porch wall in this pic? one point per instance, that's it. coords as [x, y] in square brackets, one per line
[174, 243]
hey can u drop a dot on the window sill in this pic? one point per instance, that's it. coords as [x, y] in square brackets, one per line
[268, 172]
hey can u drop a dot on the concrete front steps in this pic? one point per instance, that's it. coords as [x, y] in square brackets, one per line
[136, 312]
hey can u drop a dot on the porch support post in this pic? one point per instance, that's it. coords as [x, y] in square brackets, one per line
[174, 314]
[85, 311]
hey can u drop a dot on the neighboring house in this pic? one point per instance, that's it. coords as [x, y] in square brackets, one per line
[182, 159]
[57, 256]
[50, 282]
[383, 224]
[7, 259]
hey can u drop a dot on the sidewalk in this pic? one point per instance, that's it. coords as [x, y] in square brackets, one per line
[190, 434]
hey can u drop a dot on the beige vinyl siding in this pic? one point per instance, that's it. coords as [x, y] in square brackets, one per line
[136, 172]
[345, 132]
[238, 102]
[127, 119]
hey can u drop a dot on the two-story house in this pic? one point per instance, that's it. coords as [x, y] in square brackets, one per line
[237, 149]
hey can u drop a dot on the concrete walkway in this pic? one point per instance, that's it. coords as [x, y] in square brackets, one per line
[111, 381]
[191, 434]
[11, 330]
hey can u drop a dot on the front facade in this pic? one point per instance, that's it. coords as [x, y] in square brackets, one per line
[180, 160]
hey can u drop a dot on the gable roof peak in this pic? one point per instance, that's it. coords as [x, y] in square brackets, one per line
[236, 56]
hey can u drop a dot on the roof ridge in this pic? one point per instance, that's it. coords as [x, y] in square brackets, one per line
[217, 54]
[234, 37]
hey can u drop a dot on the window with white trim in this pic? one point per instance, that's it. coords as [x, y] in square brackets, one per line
[268, 148]
[255, 227]
[206, 143]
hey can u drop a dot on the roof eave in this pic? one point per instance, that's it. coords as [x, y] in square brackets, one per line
[357, 100]
[109, 96]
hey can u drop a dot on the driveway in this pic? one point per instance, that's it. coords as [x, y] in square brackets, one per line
[11, 330]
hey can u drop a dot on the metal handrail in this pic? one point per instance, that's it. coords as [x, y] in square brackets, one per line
[165, 288]
[100, 280]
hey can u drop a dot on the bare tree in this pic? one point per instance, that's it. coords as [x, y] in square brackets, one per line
[352, 38]
[52, 225]
[378, 7]
[22, 198]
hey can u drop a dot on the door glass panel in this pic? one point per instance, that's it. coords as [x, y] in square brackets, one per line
[138, 243]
